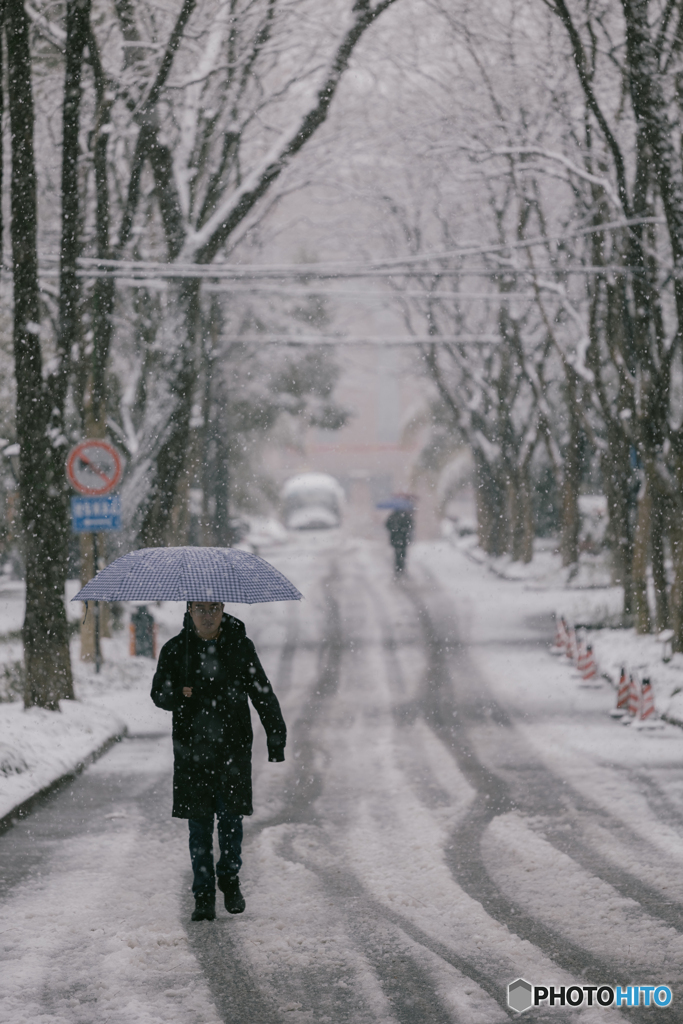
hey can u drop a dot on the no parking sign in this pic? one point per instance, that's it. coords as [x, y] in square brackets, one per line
[94, 467]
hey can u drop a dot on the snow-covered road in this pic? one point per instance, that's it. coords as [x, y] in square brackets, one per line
[454, 812]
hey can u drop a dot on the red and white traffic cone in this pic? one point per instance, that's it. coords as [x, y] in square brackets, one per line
[633, 698]
[647, 701]
[622, 695]
[590, 666]
[648, 717]
[561, 636]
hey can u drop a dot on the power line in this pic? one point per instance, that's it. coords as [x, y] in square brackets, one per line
[326, 339]
[158, 278]
[134, 268]
[308, 293]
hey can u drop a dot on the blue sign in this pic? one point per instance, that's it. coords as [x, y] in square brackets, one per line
[95, 515]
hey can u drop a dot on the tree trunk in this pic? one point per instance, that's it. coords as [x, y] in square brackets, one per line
[676, 538]
[511, 541]
[621, 501]
[42, 492]
[170, 464]
[491, 519]
[659, 525]
[641, 552]
[77, 36]
[676, 594]
[224, 533]
[2, 122]
[571, 479]
[524, 524]
[519, 533]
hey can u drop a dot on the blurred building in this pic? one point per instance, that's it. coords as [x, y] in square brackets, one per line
[378, 451]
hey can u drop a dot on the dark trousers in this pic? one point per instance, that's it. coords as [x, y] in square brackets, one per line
[201, 849]
[400, 554]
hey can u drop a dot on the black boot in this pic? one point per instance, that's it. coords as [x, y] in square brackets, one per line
[233, 898]
[204, 908]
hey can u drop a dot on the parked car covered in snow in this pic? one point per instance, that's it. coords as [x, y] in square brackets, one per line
[312, 501]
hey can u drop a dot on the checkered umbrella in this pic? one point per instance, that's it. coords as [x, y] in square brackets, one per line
[189, 574]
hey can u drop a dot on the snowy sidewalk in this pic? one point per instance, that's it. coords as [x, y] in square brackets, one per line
[594, 608]
[39, 748]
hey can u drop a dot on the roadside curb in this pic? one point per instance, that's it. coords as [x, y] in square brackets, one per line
[27, 806]
[672, 721]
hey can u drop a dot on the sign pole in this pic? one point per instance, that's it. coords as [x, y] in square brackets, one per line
[98, 649]
[94, 468]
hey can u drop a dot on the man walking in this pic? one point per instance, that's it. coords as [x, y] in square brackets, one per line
[399, 525]
[205, 676]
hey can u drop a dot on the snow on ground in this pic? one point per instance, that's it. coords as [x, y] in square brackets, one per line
[569, 727]
[99, 937]
[643, 656]
[38, 747]
[369, 851]
[552, 886]
[593, 606]
[545, 570]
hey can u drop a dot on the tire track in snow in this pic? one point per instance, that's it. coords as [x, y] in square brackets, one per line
[235, 992]
[215, 948]
[412, 994]
[383, 933]
[308, 786]
[377, 934]
[449, 716]
[492, 799]
[90, 934]
[486, 976]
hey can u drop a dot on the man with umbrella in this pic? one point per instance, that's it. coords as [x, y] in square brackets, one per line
[399, 524]
[205, 676]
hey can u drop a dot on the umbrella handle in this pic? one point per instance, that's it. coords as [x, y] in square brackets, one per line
[86, 614]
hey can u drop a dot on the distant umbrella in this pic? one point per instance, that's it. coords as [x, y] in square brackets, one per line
[189, 574]
[399, 503]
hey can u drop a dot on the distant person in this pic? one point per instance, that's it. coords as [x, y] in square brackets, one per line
[400, 526]
[142, 622]
[206, 676]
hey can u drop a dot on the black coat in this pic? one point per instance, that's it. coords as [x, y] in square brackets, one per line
[212, 734]
[400, 526]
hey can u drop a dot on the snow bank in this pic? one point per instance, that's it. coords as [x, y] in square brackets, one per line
[586, 600]
[546, 570]
[124, 683]
[641, 655]
[38, 747]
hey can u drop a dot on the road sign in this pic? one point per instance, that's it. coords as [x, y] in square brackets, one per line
[95, 515]
[94, 467]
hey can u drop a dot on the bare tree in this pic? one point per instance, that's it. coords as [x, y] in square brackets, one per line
[253, 86]
[641, 309]
[40, 400]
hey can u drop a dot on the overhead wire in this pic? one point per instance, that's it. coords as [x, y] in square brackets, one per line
[364, 339]
[386, 266]
[217, 277]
